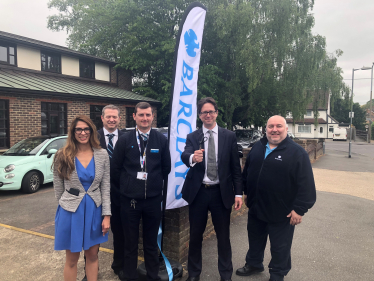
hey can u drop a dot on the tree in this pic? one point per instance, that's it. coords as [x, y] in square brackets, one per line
[341, 109]
[259, 57]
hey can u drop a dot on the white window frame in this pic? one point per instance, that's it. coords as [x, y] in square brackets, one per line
[304, 129]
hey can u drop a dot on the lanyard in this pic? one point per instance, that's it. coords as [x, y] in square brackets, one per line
[142, 157]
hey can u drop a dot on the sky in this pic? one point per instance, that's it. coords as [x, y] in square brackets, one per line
[347, 25]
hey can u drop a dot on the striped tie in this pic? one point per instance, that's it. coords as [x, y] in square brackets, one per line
[110, 147]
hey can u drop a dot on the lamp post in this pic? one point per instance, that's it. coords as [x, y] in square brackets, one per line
[350, 126]
[371, 95]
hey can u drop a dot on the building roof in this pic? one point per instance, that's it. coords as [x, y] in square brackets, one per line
[306, 121]
[323, 103]
[17, 39]
[22, 81]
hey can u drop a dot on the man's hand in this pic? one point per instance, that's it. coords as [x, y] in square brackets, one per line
[198, 156]
[295, 218]
[238, 203]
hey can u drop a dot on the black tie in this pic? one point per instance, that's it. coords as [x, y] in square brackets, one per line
[110, 147]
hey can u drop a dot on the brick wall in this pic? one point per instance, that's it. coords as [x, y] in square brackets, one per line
[25, 113]
[124, 79]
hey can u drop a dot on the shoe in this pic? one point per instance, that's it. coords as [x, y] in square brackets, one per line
[84, 278]
[190, 278]
[272, 279]
[121, 275]
[247, 270]
[225, 279]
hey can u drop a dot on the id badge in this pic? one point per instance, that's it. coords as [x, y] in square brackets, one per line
[142, 176]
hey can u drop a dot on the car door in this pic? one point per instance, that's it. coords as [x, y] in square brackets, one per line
[48, 159]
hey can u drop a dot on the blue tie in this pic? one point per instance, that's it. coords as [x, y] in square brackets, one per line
[110, 147]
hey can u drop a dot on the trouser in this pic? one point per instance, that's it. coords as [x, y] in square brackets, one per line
[209, 200]
[149, 210]
[280, 236]
[117, 230]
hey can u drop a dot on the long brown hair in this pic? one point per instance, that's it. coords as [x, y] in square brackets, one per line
[64, 158]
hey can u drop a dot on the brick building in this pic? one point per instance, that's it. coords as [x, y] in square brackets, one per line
[44, 86]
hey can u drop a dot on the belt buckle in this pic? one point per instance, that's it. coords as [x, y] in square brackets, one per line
[208, 185]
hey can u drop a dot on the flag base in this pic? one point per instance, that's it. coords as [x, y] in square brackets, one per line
[163, 274]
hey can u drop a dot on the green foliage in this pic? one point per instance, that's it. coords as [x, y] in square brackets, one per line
[259, 57]
[342, 107]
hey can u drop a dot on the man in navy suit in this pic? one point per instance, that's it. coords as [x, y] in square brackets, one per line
[213, 183]
[109, 135]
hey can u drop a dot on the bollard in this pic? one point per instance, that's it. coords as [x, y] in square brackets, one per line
[324, 148]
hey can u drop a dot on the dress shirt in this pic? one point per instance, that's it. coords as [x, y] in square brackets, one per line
[114, 139]
[206, 180]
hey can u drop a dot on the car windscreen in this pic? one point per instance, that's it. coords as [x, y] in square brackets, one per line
[243, 134]
[26, 147]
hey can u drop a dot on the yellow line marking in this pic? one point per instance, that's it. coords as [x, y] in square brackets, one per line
[27, 231]
[27, 195]
[53, 238]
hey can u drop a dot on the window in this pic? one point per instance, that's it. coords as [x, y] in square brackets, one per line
[56, 144]
[130, 122]
[7, 53]
[53, 119]
[304, 129]
[331, 129]
[321, 130]
[308, 113]
[51, 62]
[87, 69]
[95, 115]
[4, 124]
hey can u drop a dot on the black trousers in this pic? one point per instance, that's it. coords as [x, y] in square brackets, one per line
[209, 200]
[117, 230]
[280, 236]
[149, 210]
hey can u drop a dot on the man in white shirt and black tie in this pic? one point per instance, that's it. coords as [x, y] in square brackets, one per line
[213, 183]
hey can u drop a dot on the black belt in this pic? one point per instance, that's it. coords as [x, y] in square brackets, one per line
[208, 186]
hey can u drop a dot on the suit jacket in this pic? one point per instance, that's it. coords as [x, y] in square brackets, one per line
[229, 171]
[102, 137]
[99, 190]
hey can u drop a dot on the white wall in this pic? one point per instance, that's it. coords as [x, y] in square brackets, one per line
[70, 66]
[28, 58]
[102, 72]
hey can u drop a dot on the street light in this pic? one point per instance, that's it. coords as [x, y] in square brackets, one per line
[350, 126]
[371, 94]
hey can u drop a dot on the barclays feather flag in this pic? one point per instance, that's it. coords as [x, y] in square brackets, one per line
[183, 107]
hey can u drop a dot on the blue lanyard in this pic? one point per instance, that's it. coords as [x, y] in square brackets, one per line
[142, 158]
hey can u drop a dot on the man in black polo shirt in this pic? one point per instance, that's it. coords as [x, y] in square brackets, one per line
[141, 164]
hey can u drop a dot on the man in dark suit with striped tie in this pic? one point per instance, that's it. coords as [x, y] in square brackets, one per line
[109, 135]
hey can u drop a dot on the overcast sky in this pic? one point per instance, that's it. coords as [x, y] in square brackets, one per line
[347, 25]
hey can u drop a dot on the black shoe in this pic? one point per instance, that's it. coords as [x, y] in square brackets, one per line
[225, 279]
[272, 279]
[190, 278]
[121, 275]
[248, 270]
[84, 278]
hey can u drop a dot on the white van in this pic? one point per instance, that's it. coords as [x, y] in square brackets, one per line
[340, 134]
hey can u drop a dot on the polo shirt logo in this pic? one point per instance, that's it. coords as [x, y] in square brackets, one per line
[279, 158]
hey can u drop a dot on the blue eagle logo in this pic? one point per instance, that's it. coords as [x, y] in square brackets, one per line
[190, 39]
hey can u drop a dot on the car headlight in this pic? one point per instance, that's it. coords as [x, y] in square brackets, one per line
[9, 168]
[9, 176]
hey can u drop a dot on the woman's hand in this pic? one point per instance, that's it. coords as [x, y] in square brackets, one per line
[105, 224]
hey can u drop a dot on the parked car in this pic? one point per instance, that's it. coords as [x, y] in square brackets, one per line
[247, 138]
[339, 134]
[292, 136]
[27, 164]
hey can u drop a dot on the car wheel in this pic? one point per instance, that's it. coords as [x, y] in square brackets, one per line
[31, 182]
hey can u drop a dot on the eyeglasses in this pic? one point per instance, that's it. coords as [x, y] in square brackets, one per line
[205, 113]
[80, 130]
